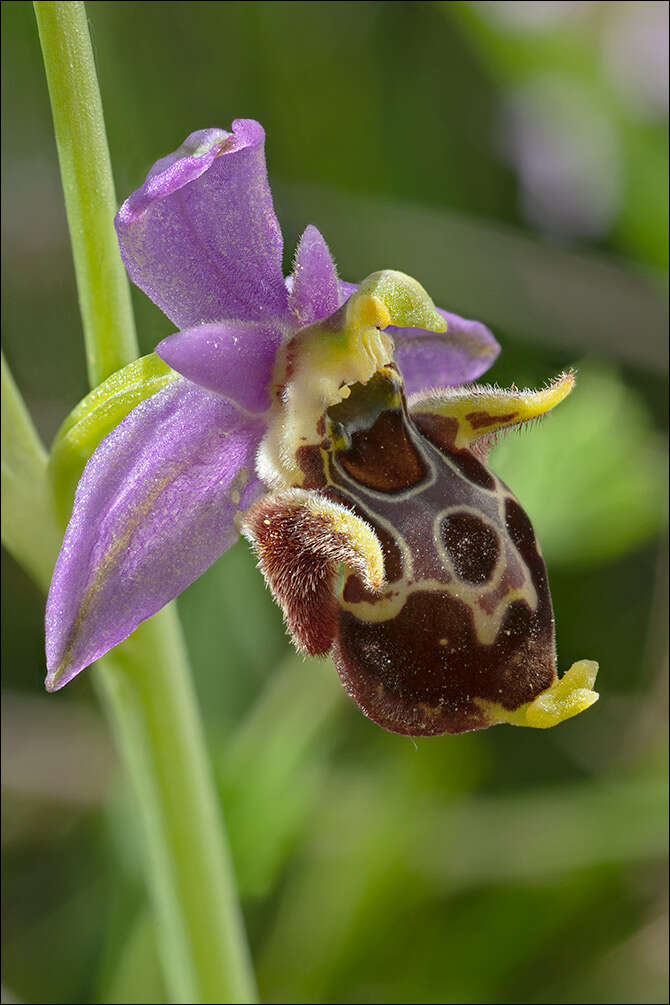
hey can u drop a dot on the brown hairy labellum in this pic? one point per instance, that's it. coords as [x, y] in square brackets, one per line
[442, 620]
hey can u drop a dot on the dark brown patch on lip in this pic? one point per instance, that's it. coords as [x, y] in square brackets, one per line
[420, 672]
[522, 535]
[355, 593]
[473, 546]
[473, 469]
[310, 461]
[383, 458]
[480, 420]
[441, 431]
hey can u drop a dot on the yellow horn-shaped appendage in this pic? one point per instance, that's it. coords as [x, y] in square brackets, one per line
[475, 413]
[568, 695]
[317, 367]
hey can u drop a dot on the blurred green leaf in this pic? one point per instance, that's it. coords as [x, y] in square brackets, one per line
[135, 977]
[580, 45]
[29, 527]
[235, 637]
[272, 768]
[376, 861]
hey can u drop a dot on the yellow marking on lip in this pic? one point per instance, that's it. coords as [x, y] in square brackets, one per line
[430, 711]
[356, 531]
[486, 626]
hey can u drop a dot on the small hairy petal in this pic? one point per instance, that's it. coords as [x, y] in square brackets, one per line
[154, 508]
[314, 286]
[468, 416]
[233, 358]
[300, 538]
[200, 237]
[429, 359]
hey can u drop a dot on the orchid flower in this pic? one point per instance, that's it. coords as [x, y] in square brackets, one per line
[335, 426]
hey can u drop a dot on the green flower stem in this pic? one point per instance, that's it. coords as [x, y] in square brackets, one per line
[146, 688]
[145, 683]
[90, 200]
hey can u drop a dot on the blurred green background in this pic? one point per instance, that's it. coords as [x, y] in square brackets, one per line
[513, 157]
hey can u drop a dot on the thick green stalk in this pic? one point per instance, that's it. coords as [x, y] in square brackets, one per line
[147, 687]
[146, 683]
[90, 200]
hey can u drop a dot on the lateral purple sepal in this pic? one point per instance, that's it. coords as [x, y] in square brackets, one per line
[154, 508]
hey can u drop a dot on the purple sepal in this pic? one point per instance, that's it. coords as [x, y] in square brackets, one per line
[458, 356]
[233, 358]
[154, 508]
[200, 237]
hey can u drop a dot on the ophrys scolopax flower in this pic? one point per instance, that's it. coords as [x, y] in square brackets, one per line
[304, 413]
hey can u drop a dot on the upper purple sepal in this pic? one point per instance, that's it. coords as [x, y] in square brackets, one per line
[201, 238]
